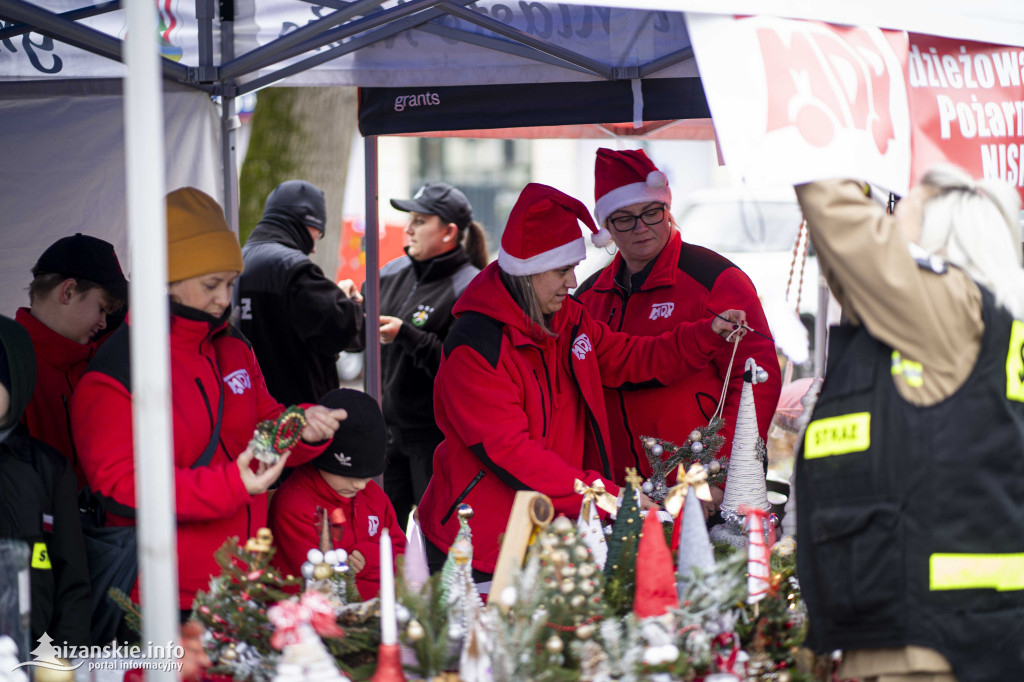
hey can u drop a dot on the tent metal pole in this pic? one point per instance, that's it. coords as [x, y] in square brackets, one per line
[88, 39]
[204, 17]
[271, 52]
[371, 302]
[666, 61]
[229, 127]
[392, 27]
[73, 15]
[150, 331]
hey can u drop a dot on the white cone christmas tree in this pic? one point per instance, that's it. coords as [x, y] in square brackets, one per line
[745, 488]
[745, 485]
[695, 550]
[589, 522]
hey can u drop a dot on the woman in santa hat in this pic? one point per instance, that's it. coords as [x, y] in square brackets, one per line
[655, 282]
[519, 392]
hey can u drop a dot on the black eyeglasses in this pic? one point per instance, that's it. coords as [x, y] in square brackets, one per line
[625, 223]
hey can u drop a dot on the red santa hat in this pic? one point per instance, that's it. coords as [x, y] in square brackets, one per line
[543, 232]
[656, 590]
[627, 177]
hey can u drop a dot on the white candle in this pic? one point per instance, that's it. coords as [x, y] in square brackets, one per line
[388, 623]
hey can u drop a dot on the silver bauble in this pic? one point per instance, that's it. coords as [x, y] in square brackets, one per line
[657, 450]
[554, 644]
[647, 487]
[697, 447]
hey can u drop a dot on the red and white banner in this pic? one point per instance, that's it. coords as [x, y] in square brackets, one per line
[967, 106]
[795, 100]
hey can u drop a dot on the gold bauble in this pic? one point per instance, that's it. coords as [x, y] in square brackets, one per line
[578, 601]
[581, 553]
[783, 676]
[322, 571]
[587, 570]
[230, 654]
[554, 644]
[568, 571]
[587, 586]
[465, 512]
[694, 436]
[41, 674]
[714, 466]
[585, 631]
[414, 631]
[567, 586]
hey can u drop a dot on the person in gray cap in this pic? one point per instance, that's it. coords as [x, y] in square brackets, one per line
[446, 250]
[296, 318]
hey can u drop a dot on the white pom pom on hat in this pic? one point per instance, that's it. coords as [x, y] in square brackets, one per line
[543, 232]
[627, 177]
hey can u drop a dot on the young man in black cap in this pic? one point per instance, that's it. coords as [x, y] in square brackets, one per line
[446, 250]
[76, 284]
[297, 319]
[340, 481]
[38, 504]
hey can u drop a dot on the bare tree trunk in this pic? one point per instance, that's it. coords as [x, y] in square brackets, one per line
[300, 134]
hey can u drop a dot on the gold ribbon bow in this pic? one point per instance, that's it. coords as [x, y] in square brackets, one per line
[595, 493]
[697, 478]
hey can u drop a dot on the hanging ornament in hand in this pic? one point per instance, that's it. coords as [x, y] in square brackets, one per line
[701, 447]
[272, 437]
[746, 484]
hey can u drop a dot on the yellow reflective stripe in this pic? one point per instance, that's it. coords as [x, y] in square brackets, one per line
[1002, 572]
[1015, 363]
[40, 556]
[913, 372]
[838, 435]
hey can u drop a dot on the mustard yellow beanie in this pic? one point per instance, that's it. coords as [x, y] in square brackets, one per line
[199, 240]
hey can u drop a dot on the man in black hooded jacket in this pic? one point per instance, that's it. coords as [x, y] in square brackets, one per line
[297, 319]
[39, 503]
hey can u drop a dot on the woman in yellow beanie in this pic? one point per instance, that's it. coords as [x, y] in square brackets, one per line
[218, 396]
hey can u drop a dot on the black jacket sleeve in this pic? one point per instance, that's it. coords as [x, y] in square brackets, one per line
[72, 602]
[422, 346]
[322, 315]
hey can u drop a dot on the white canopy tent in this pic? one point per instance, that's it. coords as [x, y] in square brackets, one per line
[62, 56]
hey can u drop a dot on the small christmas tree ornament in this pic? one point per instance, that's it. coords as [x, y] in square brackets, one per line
[695, 550]
[589, 522]
[620, 568]
[414, 570]
[325, 567]
[746, 483]
[262, 543]
[459, 589]
[758, 560]
[656, 591]
[701, 447]
[272, 437]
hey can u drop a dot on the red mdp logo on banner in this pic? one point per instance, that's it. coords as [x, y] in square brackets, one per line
[967, 107]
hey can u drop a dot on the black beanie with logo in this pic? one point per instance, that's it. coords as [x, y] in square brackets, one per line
[357, 449]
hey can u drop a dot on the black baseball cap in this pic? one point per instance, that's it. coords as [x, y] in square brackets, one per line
[85, 257]
[441, 199]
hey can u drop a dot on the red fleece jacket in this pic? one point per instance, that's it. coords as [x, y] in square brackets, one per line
[293, 517]
[60, 364]
[521, 410]
[211, 502]
[685, 282]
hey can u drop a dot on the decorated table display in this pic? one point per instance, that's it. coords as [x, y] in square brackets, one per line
[615, 594]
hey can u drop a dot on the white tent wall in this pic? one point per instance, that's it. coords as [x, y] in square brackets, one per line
[64, 171]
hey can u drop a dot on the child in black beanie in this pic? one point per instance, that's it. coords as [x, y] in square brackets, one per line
[340, 480]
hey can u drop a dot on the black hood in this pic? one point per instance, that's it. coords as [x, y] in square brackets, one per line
[21, 361]
[291, 208]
